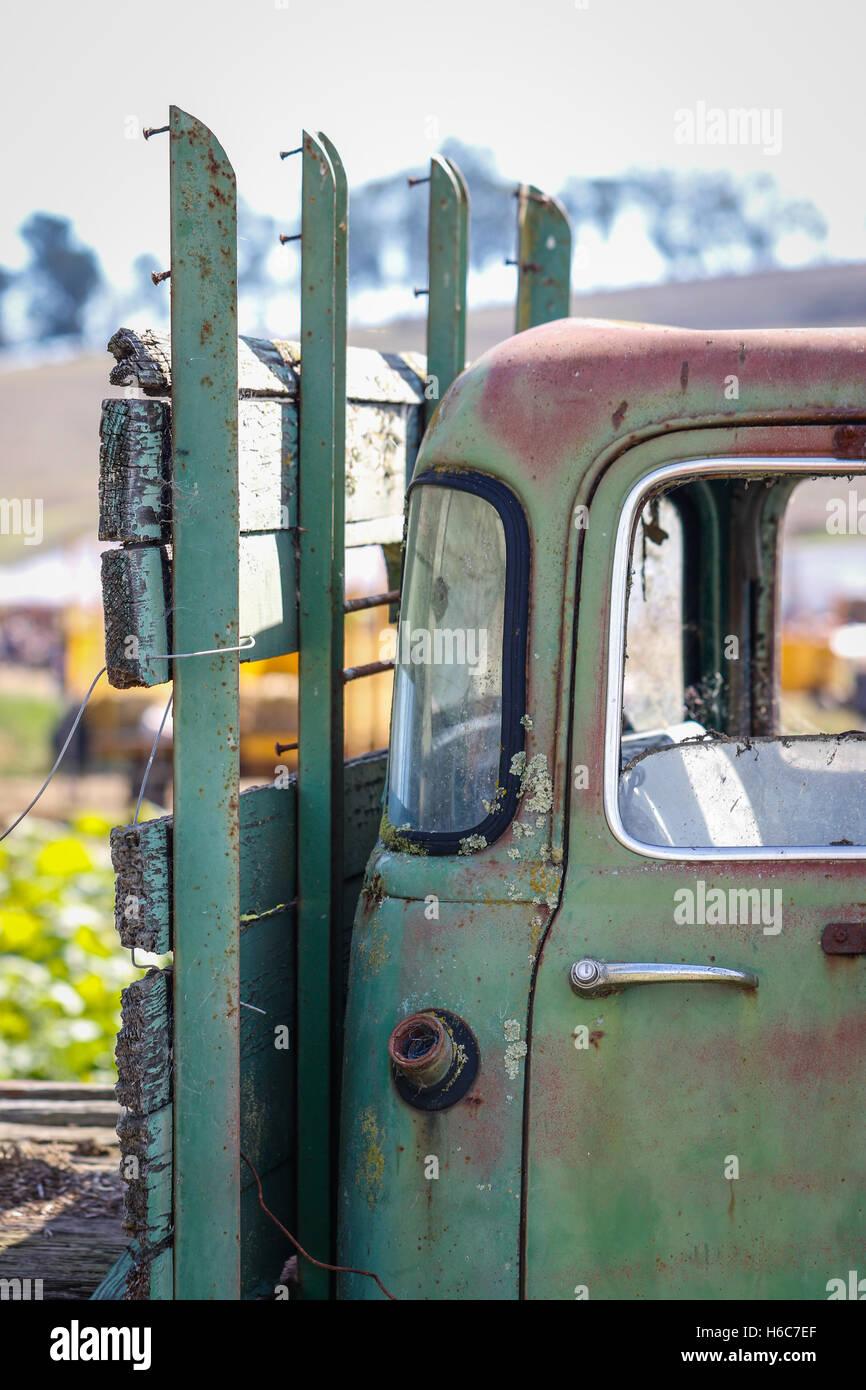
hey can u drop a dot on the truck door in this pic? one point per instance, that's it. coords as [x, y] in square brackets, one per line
[697, 1086]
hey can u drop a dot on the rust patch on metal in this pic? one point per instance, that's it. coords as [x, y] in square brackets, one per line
[849, 441]
[684, 376]
[844, 939]
[618, 415]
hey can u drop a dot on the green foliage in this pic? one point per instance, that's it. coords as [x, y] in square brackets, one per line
[61, 964]
[27, 723]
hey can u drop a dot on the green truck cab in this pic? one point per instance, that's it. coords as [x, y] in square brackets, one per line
[605, 1022]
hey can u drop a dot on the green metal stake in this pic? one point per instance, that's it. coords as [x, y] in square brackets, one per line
[204, 351]
[341, 285]
[320, 481]
[448, 259]
[543, 259]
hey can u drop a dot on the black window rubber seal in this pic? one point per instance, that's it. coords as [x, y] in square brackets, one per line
[515, 617]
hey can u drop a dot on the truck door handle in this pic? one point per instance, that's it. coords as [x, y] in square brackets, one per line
[593, 978]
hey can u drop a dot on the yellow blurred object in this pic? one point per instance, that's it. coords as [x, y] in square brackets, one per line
[117, 731]
[807, 662]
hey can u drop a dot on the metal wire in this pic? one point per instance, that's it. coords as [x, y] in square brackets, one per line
[151, 758]
[337, 1269]
[82, 707]
[245, 644]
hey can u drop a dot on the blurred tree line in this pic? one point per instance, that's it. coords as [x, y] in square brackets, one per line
[700, 223]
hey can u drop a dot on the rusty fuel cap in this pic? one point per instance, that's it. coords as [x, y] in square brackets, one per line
[434, 1059]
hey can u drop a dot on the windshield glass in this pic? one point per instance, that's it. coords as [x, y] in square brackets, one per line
[447, 722]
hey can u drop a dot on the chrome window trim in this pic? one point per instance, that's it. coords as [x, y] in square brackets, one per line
[616, 658]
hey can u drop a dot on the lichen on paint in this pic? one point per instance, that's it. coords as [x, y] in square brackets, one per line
[516, 1050]
[373, 949]
[518, 764]
[470, 843]
[514, 1054]
[371, 1160]
[520, 828]
[536, 785]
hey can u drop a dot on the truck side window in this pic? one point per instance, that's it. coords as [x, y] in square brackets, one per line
[778, 760]
[447, 740]
[653, 684]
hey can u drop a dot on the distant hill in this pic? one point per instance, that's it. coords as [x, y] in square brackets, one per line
[818, 296]
[49, 415]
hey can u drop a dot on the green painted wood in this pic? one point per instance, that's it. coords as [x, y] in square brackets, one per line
[448, 248]
[145, 1165]
[320, 609]
[204, 358]
[143, 1048]
[136, 596]
[141, 854]
[135, 468]
[544, 259]
[138, 609]
[161, 1276]
[114, 1286]
[134, 471]
[141, 858]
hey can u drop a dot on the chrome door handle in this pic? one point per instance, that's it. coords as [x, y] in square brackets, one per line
[594, 978]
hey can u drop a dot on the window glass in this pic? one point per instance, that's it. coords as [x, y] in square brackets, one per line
[821, 674]
[447, 721]
[653, 686]
[779, 755]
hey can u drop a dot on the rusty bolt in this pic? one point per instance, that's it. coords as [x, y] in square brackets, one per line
[841, 934]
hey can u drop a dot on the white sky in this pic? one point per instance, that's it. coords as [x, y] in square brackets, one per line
[552, 88]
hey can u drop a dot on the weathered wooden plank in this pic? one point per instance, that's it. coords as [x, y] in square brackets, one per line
[144, 360]
[136, 589]
[141, 854]
[267, 969]
[145, 1146]
[143, 1050]
[33, 1111]
[139, 630]
[270, 367]
[268, 594]
[362, 810]
[138, 1275]
[134, 471]
[268, 1043]
[69, 1253]
[114, 1286]
[382, 440]
[25, 1088]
